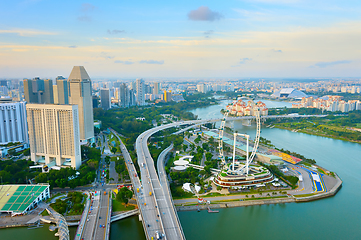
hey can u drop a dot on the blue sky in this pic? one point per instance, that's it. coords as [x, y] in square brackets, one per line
[129, 39]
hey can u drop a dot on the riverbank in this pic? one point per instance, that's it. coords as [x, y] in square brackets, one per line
[244, 203]
[316, 134]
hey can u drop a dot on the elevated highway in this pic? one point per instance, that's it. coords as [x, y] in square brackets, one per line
[154, 199]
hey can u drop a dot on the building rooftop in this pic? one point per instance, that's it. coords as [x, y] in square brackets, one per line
[78, 73]
[17, 198]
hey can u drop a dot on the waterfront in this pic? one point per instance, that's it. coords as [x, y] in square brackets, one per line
[214, 111]
[331, 218]
[32, 234]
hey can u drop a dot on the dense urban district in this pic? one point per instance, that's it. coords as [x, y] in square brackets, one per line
[77, 152]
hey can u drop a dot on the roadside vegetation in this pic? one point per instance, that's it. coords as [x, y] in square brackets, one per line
[121, 168]
[290, 180]
[120, 201]
[73, 204]
[69, 177]
[17, 172]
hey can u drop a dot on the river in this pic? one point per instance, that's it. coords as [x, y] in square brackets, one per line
[337, 217]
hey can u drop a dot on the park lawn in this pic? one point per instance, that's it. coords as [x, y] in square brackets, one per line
[214, 194]
[304, 195]
[118, 206]
[45, 213]
[49, 199]
[180, 193]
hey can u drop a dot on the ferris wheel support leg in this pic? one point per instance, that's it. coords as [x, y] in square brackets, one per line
[234, 150]
[247, 158]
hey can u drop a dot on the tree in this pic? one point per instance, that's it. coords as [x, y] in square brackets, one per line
[205, 146]
[11, 152]
[107, 160]
[114, 150]
[124, 195]
[185, 147]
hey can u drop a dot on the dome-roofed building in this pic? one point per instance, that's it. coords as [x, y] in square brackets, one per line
[289, 93]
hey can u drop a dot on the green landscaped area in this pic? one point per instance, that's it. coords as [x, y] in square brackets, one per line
[304, 195]
[179, 193]
[45, 213]
[72, 204]
[118, 206]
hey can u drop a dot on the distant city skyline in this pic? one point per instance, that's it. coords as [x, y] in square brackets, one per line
[235, 38]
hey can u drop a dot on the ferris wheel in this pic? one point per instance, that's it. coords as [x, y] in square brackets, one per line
[256, 141]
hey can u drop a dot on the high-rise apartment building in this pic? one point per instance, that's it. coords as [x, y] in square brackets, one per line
[38, 90]
[140, 92]
[105, 100]
[54, 135]
[167, 96]
[133, 86]
[95, 101]
[202, 88]
[124, 95]
[55, 94]
[62, 88]
[132, 98]
[13, 127]
[80, 93]
[156, 88]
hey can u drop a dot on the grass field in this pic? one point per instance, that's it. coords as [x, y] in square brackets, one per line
[118, 206]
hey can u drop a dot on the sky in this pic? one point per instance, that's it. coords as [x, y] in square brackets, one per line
[176, 39]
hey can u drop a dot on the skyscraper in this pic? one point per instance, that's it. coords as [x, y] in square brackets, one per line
[140, 92]
[13, 127]
[124, 95]
[80, 93]
[167, 96]
[105, 98]
[54, 134]
[55, 94]
[62, 87]
[38, 90]
[156, 88]
[95, 101]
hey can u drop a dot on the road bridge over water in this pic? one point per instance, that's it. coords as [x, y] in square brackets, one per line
[154, 200]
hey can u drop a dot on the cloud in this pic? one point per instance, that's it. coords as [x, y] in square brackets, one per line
[72, 46]
[278, 1]
[203, 13]
[328, 64]
[87, 7]
[244, 60]
[277, 51]
[115, 31]
[105, 55]
[151, 61]
[27, 32]
[84, 19]
[124, 62]
[208, 33]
